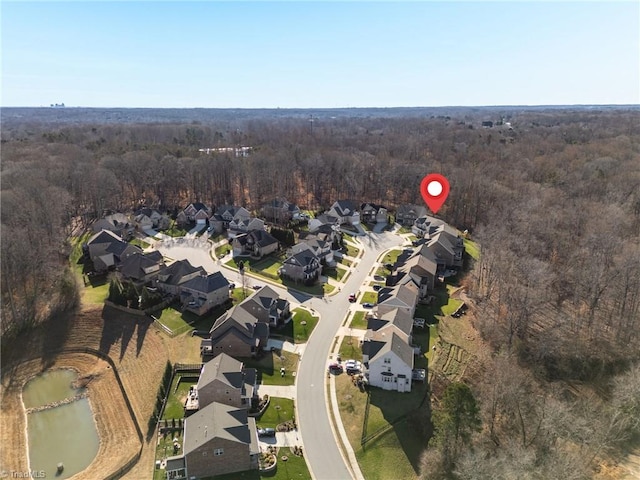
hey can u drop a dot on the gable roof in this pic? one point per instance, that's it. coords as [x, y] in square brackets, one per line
[175, 273]
[403, 296]
[304, 257]
[344, 208]
[411, 210]
[107, 242]
[263, 297]
[389, 339]
[198, 206]
[138, 264]
[223, 368]
[216, 421]
[207, 283]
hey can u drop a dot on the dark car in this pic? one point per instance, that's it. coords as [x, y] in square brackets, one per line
[266, 432]
[367, 305]
[377, 287]
[257, 287]
[335, 368]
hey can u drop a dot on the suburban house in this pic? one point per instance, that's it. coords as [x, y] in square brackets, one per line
[117, 223]
[197, 212]
[302, 264]
[141, 268]
[388, 357]
[243, 331]
[225, 380]
[225, 214]
[406, 215]
[447, 246]
[237, 333]
[325, 220]
[321, 245]
[345, 211]
[171, 278]
[420, 268]
[403, 297]
[280, 211]
[373, 213]
[204, 292]
[257, 243]
[218, 439]
[148, 218]
[267, 306]
[239, 226]
[106, 250]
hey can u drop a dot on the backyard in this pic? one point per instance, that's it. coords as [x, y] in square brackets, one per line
[442, 304]
[174, 407]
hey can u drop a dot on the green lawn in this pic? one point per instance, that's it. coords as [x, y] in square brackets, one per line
[335, 273]
[404, 230]
[139, 243]
[391, 256]
[395, 453]
[344, 261]
[96, 294]
[173, 320]
[295, 468]
[350, 348]
[442, 304]
[352, 250]
[382, 271]
[222, 250]
[175, 231]
[176, 398]
[164, 448]
[472, 248]
[369, 297]
[359, 320]
[300, 327]
[273, 416]
[269, 367]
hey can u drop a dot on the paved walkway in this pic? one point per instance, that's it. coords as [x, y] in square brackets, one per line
[281, 391]
[282, 439]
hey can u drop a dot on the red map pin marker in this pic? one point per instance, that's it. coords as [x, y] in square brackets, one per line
[434, 189]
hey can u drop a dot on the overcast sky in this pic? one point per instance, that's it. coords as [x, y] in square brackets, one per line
[301, 54]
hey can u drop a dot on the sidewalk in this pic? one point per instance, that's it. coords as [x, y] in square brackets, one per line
[351, 460]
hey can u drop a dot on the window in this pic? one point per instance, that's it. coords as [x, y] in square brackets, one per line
[387, 360]
[218, 451]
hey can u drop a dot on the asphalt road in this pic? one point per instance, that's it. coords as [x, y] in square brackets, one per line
[321, 449]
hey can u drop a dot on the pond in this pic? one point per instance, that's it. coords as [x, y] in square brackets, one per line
[60, 428]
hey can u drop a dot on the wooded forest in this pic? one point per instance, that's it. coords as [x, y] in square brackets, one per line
[552, 195]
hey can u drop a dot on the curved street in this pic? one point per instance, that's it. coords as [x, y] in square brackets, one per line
[323, 454]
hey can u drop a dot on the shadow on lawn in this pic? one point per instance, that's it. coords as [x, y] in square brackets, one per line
[119, 325]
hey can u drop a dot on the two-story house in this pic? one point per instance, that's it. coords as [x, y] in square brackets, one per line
[107, 250]
[238, 226]
[204, 292]
[141, 268]
[172, 277]
[257, 243]
[117, 223]
[225, 214]
[280, 211]
[448, 247]
[224, 379]
[302, 265]
[345, 211]
[373, 213]
[406, 215]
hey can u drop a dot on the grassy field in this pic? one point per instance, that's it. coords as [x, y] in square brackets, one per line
[336, 273]
[269, 367]
[472, 248]
[395, 453]
[96, 293]
[300, 327]
[344, 261]
[441, 305]
[273, 416]
[359, 320]
[350, 349]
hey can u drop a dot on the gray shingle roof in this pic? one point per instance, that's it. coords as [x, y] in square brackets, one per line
[216, 420]
[174, 273]
[207, 284]
[224, 368]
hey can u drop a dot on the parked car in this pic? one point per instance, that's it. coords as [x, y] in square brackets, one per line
[352, 367]
[377, 287]
[266, 432]
[367, 305]
[257, 287]
[352, 297]
[335, 368]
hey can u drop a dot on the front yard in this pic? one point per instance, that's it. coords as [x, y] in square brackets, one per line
[359, 320]
[269, 365]
[395, 453]
[280, 410]
[300, 327]
[294, 468]
[350, 349]
[369, 297]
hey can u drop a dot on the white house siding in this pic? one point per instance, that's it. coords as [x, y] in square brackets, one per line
[396, 367]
